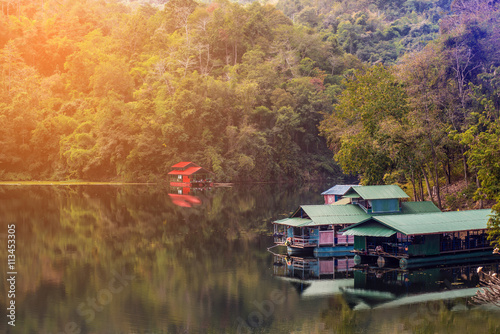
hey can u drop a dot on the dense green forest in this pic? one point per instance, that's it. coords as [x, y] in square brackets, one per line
[97, 90]
[121, 90]
[400, 91]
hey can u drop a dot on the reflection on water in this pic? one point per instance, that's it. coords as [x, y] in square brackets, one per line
[130, 259]
[313, 268]
[188, 196]
[194, 269]
[315, 277]
[375, 288]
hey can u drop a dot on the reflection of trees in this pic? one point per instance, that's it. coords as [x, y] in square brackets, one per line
[196, 269]
[193, 266]
[449, 316]
[339, 316]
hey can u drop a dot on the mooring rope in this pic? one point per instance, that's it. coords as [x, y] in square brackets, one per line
[384, 253]
[270, 251]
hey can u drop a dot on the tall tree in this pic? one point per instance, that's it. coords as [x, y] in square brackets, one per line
[359, 129]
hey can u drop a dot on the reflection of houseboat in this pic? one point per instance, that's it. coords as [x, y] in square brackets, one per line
[316, 228]
[314, 277]
[188, 174]
[375, 288]
[313, 268]
[417, 240]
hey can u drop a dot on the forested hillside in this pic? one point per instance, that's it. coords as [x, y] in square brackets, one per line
[401, 91]
[433, 117]
[96, 90]
[373, 30]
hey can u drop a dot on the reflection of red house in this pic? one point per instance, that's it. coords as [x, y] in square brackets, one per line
[184, 198]
[185, 174]
[186, 201]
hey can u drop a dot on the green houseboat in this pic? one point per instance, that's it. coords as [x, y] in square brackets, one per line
[317, 228]
[422, 239]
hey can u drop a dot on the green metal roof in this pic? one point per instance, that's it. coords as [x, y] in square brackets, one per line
[313, 215]
[295, 222]
[371, 229]
[418, 207]
[337, 214]
[334, 214]
[378, 192]
[425, 223]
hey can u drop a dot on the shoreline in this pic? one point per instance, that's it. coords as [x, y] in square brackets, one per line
[70, 183]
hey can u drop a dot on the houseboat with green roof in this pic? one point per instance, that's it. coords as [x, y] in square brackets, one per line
[422, 239]
[317, 229]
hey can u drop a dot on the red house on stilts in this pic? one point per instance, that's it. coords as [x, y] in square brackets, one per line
[188, 174]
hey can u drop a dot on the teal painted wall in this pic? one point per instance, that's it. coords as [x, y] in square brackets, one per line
[359, 242]
[314, 235]
[385, 205]
[429, 247]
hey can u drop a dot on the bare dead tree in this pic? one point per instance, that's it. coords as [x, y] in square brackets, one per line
[490, 291]
[183, 14]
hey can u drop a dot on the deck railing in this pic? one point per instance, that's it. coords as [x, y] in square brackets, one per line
[325, 238]
[279, 239]
[303, 263]
[304, 241]
[362, 206]
[345, 239]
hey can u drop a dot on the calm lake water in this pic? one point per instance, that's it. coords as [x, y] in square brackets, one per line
[144, 259]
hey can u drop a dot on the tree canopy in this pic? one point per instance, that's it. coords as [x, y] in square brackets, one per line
[109, 91]
[431, 117]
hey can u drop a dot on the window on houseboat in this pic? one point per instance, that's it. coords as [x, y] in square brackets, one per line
[478, 239]
[453, 241]
[403, 238]
[418, 240]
